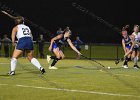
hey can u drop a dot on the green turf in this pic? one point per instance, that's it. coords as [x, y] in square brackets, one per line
[74, 80]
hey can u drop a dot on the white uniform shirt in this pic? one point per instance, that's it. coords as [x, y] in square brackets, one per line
[23, 31]
[137, 38]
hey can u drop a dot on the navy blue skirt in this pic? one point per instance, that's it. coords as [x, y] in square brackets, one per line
[25, 43]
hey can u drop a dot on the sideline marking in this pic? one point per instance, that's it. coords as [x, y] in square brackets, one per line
[78, 91]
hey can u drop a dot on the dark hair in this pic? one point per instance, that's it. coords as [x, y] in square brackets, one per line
[19, 20]
[136, 26]
[66, 30]
[125, 28]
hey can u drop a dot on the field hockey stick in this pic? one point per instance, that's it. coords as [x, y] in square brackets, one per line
[4, 12]
[93, 61]
[122, 59]
[118, 61]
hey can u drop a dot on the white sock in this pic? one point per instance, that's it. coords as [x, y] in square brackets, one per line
[36, 63]
[13, 64]
[135, 60]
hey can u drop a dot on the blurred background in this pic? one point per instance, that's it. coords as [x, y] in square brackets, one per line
[52, 14]
[49, 15]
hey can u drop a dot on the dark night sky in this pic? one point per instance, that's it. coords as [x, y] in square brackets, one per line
[52, 14]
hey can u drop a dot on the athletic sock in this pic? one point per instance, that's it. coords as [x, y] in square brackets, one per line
[135, 60]
[13, 64]
[129, 59]
[53, 57]
[54, 61]
[36, 63]
[125, 61]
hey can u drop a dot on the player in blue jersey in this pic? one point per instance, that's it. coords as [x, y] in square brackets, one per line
[55, 43]
[128, 44]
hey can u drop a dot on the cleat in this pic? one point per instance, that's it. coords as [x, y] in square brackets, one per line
[11, 73]
[125, 66]
[52, 67]
[48, 58]
[42, 70]
[136, 67]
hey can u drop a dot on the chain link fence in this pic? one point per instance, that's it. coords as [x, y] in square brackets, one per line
[91, 50]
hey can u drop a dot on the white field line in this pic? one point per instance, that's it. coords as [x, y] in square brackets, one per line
[3, 84]
[126, 75]
[78, 91]
[4, 63]
[9, 63]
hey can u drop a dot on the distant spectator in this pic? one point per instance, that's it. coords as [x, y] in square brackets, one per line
[78, 44]
[0, 46]
[41, 46]
[6, 41]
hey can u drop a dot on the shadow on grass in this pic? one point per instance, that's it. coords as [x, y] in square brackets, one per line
[87, 68]
[95, 68]
[6, 75]
[64, 67]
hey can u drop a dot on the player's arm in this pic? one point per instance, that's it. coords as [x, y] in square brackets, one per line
[14, 31]
[8, 15]
[54, 39]
[73, 47]
[123, 44]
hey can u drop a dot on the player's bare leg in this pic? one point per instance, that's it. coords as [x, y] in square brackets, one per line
[34, 61]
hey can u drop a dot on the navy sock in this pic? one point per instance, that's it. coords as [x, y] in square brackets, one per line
[126, 60]
[54, 61]
[53, 57]
[129, 59]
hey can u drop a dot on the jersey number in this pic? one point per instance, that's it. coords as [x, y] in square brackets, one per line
[25, 31]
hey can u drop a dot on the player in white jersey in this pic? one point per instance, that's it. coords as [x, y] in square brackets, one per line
[135, 53]
[24, 36]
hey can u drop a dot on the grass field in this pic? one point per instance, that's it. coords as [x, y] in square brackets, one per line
[74, 80]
